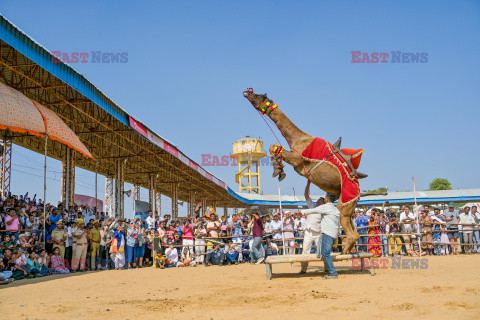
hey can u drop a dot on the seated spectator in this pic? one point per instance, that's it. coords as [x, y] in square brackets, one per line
[159, 260]
[171, 255]
[232, 253]
[6, 268]
[415, 250]
[271, 248]
[187, 258]
[216, 256]
[42, 263]
[246, 247]
[56, 262]
[21, 267]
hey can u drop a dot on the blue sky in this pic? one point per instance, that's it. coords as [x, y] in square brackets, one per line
[189, 62]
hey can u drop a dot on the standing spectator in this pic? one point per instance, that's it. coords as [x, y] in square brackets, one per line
[81, 234]
[257, 233]
[140, 245]
[150, 220]
[374, 242]
[427, 237]
[187, 235]
[299, 230]
[361, 221]
[476, 232]
[312, 228]
[130, 242]
[105, 241]
[394, 240]
[68, 245]
[95, 238]
[213, 229]
[236, 232]
[467, 220]
[12, 224]
[59, 236]
[117, 249]
[276, 225]
[436, 228]
[288, 226]
[382, 221]
[407, 219]
[330, 228]
[200, 234]
[451, 216]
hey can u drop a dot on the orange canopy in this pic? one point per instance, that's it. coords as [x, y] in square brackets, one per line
[19, 113]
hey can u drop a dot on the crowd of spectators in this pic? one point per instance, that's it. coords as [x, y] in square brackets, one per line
[79, 238]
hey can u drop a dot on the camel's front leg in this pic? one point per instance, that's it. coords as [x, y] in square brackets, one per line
[351, 234]
[290, 157]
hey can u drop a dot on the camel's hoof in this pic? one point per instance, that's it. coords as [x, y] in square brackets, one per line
[275, 173]
[282, 176]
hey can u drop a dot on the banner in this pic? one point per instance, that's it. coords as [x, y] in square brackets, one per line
[141, 209]
[83, 200]
[137, 126]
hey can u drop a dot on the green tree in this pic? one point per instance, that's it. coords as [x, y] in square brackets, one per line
[440, 184]
[378, 190]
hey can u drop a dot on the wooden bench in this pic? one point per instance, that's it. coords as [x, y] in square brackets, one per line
[313, 258]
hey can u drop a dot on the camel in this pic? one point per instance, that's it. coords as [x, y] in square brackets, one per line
[323, 175]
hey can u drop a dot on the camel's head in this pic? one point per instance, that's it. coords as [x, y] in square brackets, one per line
[257, 100]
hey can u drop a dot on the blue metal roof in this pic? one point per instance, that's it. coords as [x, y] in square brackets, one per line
[460, 195]
[17, 39]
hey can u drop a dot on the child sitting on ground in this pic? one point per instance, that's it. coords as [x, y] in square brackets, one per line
[159, 260]
[415, 250]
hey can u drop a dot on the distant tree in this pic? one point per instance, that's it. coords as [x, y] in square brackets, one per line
[440, 184]
[378, 190]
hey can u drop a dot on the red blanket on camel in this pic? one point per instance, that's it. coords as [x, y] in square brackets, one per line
[319, 149]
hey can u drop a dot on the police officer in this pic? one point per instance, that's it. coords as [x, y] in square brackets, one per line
[95, 244]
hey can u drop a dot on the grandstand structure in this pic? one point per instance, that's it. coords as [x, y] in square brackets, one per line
[124, 149]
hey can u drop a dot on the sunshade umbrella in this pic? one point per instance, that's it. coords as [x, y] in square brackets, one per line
[20, 114]
[261, 211]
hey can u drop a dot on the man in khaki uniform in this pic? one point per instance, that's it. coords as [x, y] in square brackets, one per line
[95, 244]
[58, 237]
[81, 235]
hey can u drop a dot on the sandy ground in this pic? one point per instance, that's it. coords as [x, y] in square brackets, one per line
[448, 289]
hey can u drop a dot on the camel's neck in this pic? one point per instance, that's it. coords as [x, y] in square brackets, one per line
[287, 127]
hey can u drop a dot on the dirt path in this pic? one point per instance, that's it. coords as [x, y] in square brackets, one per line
[448, 288]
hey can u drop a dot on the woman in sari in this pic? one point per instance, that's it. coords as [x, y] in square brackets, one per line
[374, 241]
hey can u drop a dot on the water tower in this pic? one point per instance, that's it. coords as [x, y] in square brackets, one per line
[248, 152]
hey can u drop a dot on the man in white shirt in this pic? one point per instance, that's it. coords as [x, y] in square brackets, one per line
[330, 229]
[312, 228]
[150, 220]
[466, 219]
[408, 219]
[276, 225]
[299, 227]
[476, 232]
[171, 254]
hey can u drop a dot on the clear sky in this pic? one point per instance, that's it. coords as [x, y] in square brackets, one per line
[190, 61]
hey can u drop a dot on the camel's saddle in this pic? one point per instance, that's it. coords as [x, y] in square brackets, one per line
[351, 157]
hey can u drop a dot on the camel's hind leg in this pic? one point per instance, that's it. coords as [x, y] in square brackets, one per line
[346, 213]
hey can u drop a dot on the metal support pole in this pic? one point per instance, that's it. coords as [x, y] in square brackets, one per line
[119, 188]
[68, 178]
[158, 203]
[109, 196]
[45, 190]
[96, 188]
[152, 194]
[5, 166]
[191, 202]
[175, 200]
[135, 196]
[204, 205]
[225, 212]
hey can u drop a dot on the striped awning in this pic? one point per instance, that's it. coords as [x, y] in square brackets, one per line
[20, 114]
